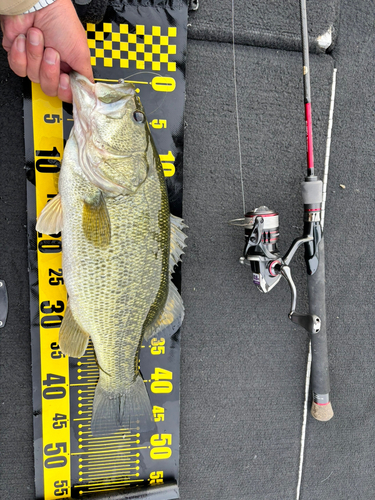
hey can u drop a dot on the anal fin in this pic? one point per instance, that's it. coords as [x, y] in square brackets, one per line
[171, 317]
[73, 339]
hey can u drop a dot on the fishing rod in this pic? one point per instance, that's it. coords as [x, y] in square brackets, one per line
[261, 253]
[321, 406]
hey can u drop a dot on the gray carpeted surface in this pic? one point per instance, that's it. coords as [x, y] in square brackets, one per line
[243, 362]
[266, 24]
[16, 419]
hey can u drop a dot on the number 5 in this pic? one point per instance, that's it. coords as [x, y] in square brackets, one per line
[159, 123]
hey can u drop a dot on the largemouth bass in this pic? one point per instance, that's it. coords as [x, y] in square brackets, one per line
[120, 246]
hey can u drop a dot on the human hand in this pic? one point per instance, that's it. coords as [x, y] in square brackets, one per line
[46, 45]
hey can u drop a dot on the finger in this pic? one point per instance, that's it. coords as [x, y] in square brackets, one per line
[50, 72]
[34, 52]
[12, 26]
[2, 25]
[17, 56]
[64, 90]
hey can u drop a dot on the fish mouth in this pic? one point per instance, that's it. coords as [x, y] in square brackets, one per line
[100, 91]
[77, 79]
[83, 92]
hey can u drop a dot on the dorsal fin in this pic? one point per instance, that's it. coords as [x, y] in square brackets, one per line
[177, 241]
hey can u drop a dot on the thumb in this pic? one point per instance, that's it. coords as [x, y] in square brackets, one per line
[77, 58]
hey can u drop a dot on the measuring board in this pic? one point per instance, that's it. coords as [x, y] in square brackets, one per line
[147, 47]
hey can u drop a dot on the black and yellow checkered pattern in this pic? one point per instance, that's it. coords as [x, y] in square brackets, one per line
[109, 43]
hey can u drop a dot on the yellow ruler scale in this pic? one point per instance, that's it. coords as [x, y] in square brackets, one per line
[49, 145]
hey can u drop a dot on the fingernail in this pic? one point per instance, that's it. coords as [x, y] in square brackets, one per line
[21, 43]
[50, 56]
[64, 81]
[34, 38]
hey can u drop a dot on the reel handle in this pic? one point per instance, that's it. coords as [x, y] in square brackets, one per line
[310, 322]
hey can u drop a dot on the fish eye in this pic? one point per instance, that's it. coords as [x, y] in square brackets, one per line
[139, 117]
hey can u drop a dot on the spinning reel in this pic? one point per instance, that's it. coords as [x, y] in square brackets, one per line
[261, 253]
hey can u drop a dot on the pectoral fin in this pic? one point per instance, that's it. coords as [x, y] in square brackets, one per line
[73, 339]
[50, 220]
[95, 220]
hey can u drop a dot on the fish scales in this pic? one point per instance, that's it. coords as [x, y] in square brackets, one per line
[118, 252]
[113, 288]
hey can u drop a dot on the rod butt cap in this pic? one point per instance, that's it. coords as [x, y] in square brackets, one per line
[322, 412]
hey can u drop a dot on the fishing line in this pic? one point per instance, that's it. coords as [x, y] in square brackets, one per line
[309, 357]
[237, 113]
[304, 423]
[328, 145]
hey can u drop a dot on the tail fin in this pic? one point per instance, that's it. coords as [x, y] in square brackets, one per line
[112, 412]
